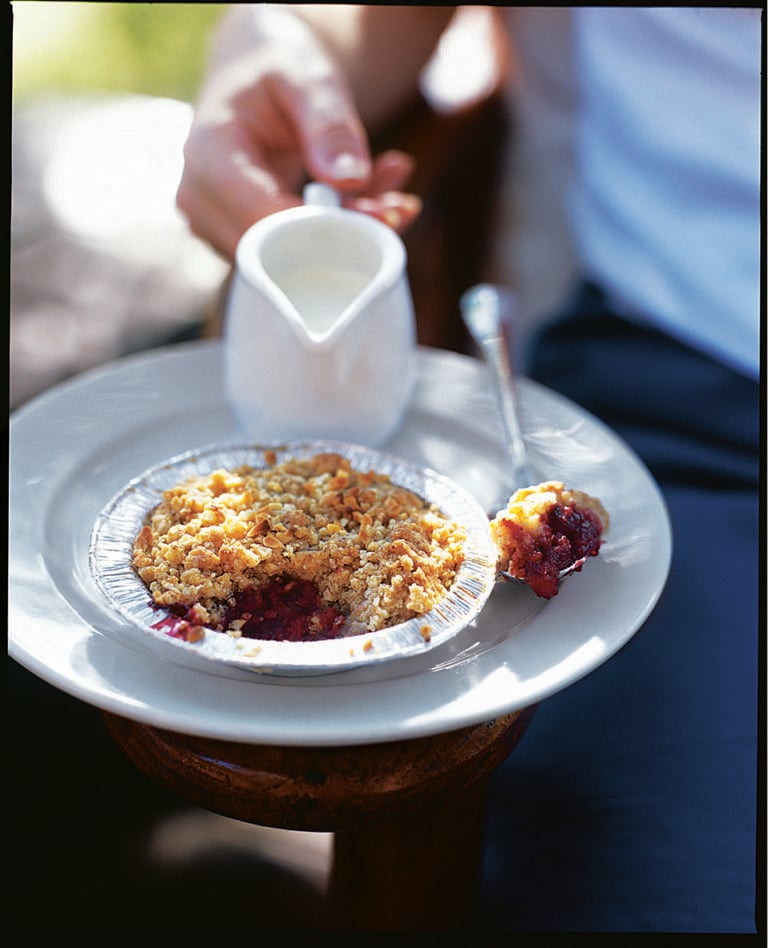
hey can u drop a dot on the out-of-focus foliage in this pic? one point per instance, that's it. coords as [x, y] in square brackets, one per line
[84, 47]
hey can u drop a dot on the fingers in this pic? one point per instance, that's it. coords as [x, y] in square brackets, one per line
[394, 208]
[226, 186]
[391, 172]
[384, 197]
[335, 148]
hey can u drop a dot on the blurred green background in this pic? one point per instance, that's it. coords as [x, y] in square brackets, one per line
[86, 47]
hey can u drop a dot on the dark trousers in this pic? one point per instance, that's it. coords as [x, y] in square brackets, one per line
[630, 804]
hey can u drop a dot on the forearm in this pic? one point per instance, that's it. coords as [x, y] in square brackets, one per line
[381, 49]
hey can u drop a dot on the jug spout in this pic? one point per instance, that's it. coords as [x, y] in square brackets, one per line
[325, 295]
[323, 299]
[325, 266]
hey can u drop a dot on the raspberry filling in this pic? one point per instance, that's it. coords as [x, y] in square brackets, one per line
[282, 610]
[566, 535]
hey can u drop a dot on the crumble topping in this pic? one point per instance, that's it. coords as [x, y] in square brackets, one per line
[544, 530]
[376, 553]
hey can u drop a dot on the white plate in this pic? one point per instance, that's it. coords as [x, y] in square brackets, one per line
[118, 525]
[75, 447]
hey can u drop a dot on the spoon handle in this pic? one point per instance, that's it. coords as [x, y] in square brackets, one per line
[481, 308]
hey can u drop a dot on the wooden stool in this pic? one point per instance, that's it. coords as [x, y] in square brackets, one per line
[408, 816]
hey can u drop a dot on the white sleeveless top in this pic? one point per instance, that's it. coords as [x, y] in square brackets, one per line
[646, 129]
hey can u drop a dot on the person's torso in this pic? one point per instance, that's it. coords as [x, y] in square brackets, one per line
[649, 119]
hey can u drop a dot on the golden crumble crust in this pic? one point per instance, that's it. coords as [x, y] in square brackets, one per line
[527, 505]
[376, 550]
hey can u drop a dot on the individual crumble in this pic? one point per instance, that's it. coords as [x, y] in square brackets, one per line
[231, 549]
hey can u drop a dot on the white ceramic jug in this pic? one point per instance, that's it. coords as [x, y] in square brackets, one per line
[319, 333]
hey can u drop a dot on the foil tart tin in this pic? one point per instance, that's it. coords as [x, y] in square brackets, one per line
[113, 535]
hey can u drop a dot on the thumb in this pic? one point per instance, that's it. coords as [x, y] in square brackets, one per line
[334, 141]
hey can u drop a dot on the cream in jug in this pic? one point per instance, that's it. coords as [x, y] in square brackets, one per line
[319, 336]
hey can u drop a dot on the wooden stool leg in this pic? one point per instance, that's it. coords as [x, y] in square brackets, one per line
[416, 870]
[407, 816]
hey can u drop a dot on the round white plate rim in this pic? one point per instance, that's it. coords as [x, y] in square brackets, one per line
[50, 638]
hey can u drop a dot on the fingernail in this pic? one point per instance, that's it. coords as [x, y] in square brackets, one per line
[347, 166]
[412, 203]
[407, 208]
[392, 217]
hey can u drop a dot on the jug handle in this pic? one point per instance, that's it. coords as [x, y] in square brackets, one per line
[321, 195]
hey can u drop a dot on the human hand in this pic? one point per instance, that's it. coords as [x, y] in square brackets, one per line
[274, 111]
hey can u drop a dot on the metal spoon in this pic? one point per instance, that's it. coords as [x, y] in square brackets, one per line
[481, 309]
